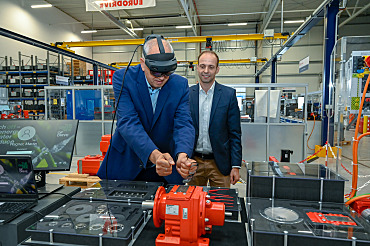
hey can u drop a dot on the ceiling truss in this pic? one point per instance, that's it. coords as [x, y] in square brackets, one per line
[189, 9]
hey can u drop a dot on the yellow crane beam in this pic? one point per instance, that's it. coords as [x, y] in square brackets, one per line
[63, 47]
[196, 39]
[263, 60]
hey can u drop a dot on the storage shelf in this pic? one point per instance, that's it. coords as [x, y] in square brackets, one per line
[27, 72]
[24, 85]
[25, 98]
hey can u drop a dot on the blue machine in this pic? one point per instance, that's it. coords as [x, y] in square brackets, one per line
[86, 102]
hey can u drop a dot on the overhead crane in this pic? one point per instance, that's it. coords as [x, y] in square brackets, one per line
[244, 61]
[195, 39]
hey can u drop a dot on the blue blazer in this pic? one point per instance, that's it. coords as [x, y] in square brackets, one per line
[139, 131]
[224, 126]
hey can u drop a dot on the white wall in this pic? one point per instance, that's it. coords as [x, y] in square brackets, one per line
[41, 24]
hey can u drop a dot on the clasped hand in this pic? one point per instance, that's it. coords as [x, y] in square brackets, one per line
[164, 163]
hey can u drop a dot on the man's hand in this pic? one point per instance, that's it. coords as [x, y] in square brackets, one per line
[183, 165]
[234, 176]
[163, 162]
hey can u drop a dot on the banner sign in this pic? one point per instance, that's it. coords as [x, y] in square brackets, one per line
[98, 5]
[303, 64]
[61, 80]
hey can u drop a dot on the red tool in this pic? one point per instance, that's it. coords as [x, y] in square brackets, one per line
[187, 213]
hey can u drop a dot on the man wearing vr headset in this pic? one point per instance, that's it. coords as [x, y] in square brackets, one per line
[154, 126]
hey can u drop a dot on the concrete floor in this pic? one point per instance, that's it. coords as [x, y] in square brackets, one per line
[346, 159]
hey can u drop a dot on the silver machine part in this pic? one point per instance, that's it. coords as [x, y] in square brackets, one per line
[228, 214]
[147, 205]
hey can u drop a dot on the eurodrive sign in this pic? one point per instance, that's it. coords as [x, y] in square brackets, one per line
[98, 5]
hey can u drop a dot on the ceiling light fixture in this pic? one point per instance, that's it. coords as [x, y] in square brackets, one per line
[88, 31]
[293, 21]
[183, 26]
[237, 24]
[41, 6]
[137, 29]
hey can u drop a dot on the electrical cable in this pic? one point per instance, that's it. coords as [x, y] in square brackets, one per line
[34, 211]
[356, 141]
[314, 121]
[115, 110]
[356, 198]
[45, 193]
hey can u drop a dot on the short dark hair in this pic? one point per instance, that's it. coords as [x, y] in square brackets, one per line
[209, 52]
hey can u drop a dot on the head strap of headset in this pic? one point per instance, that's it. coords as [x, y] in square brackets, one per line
[160, 62]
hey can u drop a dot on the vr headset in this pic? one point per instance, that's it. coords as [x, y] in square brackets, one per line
[161, 62]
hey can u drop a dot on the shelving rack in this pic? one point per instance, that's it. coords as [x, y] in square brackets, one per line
[25, 79]
[60, 53]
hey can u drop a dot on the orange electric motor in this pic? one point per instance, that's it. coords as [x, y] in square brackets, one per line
[90, 164]
[104, 144]
[188, 214]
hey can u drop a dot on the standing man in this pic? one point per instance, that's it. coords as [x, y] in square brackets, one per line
[154, 126]
[216, 118]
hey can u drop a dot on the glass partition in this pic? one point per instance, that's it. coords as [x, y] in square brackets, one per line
[93, 106]
[272, 122]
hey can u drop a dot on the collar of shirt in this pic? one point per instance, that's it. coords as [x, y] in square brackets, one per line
[210, 91]
[151, 90]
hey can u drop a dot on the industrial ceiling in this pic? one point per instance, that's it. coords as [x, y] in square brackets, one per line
[202, 15]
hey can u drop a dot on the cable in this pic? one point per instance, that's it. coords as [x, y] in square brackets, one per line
[314, 120]
[115, 110]
[356, 141]
[37, 212]
[356, 198]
